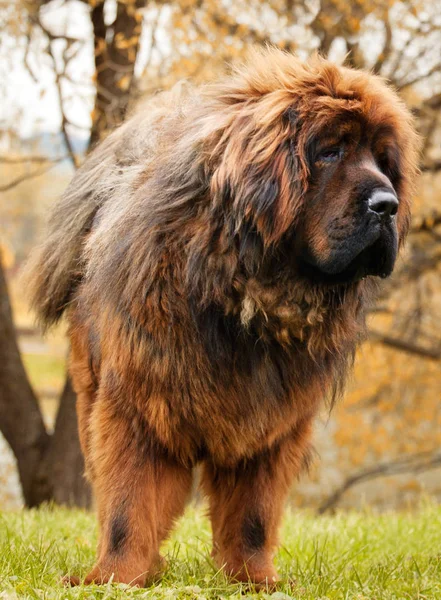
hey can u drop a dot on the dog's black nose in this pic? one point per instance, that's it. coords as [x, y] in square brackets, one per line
[384, 203]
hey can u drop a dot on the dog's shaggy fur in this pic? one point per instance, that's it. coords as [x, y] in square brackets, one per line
[214, 256]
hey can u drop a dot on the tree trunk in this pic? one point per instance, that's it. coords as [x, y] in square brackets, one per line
[20, 418]
[50, 467]
[116, 48]
[63, 463]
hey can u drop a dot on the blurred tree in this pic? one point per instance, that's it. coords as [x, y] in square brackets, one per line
[21, 420]
[140, 46]
[116, 48]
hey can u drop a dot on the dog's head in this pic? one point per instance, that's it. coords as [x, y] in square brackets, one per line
[316, 160]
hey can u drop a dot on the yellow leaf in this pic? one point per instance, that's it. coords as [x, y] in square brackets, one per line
[124, 83]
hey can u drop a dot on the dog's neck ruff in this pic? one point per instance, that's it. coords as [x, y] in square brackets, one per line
[323, 319]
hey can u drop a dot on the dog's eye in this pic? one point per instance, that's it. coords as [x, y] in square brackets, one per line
[388, 163]
[383, 163]
[330, 155]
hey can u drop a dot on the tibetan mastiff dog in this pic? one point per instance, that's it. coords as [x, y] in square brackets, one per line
[214, 257]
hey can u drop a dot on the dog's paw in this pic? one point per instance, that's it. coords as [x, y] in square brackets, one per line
[70, 581]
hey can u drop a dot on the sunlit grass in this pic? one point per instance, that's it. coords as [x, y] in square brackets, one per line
[355, 555]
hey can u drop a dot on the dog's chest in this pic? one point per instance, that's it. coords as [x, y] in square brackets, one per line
[284, 313]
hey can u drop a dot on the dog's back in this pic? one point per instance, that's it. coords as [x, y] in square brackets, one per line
[57, 267]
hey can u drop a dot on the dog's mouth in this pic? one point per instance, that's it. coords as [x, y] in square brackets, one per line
[375, 259]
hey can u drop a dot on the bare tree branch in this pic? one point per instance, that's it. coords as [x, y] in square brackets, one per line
[14, 160]
[432, 166]
[58, 84]
[26, 55]
[152, 41]
[416, 463]
[64, 120]
[387, 47]
[405, 346]
[406, 84]
[36, 173]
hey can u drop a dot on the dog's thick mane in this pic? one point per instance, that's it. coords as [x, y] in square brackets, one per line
[193, 194]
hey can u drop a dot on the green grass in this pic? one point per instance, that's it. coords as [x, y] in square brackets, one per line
[355, 555]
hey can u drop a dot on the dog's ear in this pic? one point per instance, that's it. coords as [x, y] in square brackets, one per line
[263, 184]
[268, 196]
[256, 186]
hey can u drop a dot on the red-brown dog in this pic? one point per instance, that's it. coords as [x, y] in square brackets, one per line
[214, 257]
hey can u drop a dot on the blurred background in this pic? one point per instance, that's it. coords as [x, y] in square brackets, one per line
[69, 72]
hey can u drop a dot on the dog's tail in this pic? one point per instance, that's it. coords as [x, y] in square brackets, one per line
[56, 268]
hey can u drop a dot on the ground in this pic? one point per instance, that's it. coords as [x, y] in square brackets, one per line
[349, 555]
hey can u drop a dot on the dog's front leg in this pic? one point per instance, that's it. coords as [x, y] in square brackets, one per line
[246, 503]
[140, 490]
